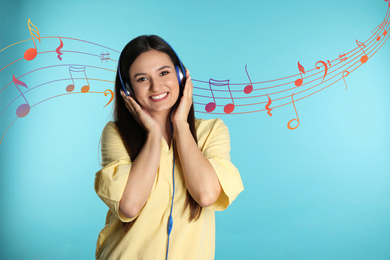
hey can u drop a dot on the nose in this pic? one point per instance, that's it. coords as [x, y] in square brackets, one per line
[155, 84]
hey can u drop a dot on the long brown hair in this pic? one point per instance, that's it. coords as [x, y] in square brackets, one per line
[132, 134]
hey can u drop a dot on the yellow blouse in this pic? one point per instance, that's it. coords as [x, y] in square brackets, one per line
[147, 238]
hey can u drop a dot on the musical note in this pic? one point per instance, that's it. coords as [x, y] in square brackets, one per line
[326, 68]
[248, 89]
[31, 53]
[289, 122]
[382, 26]
[342, 57]
[267, 106]
[59, 48]
[71, 87]
[104, 57]
[299, 82]
[112, 95]
[23, 109]
[228, 108]
[361, 45]
[347, 73]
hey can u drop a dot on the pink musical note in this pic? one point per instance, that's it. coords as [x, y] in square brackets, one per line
[228, 108]
[23, 109]
[71, 87]
[361, 45]
[31, 53]
[326, 68]
[248, 89]
[299, 82]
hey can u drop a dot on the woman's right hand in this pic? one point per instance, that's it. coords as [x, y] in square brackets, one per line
[142, 116]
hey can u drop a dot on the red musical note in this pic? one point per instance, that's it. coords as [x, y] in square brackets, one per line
[70, 87]
[326, 68]
[23, 109]
[31, 53]
[361, 45]
[248, 89]
[228, 108]
[347, 73]
[267, 106]
[289, 122]
[299, 82]
[382, 26]
[58, 50]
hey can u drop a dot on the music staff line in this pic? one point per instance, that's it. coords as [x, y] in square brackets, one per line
[341, 69]
[299, 99]
[53, 81]
[65, 94]
[59, 65]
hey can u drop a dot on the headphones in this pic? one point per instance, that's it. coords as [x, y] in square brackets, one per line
[180, 72]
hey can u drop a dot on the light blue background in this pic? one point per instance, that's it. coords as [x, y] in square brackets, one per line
[319, 192]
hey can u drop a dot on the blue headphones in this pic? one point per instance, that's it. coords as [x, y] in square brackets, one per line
[180, 72]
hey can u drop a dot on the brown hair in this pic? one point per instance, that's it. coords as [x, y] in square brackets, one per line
[132, 134]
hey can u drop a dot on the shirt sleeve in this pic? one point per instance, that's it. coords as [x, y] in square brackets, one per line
[216, 148]
[111, 180]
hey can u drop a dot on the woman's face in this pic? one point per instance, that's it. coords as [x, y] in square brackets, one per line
[154, 81]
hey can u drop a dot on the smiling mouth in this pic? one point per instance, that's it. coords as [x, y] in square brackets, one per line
[159, 97]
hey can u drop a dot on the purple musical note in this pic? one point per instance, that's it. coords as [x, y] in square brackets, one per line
[23, 109]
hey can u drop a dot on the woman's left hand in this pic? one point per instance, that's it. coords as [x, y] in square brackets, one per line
[180, 113]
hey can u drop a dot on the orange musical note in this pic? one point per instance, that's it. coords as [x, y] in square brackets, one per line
[361, 45]
[289, 122]
[71, 87]
[326, 68]
[248, 89]
[23, 109]
[112, 95]
[347, 73]
[228, 108]
[31, 53]
[299, 82]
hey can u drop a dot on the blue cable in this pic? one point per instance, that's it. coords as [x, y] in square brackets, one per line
[170, 220]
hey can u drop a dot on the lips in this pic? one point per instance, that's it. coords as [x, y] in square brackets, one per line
[159, 97]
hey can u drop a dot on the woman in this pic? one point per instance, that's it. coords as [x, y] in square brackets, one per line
[155, 149]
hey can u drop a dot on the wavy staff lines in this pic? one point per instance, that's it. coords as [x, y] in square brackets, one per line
[57, 80]
[79, 52]
[287, 83]
[386, 38]
[371, 39]
[373, 46]
[60, 65]
[56, 37]
[91, 92]
[285, 90]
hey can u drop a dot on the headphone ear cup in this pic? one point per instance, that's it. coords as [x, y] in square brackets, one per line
[128, 89]
[180, 75]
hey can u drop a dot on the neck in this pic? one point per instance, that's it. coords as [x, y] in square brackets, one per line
[164, 119]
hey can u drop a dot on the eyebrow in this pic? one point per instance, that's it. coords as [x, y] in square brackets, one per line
[140, 74]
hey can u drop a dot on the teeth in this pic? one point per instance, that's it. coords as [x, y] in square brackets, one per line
[160, 96]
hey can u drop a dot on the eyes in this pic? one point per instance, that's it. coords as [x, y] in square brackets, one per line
[162, 74]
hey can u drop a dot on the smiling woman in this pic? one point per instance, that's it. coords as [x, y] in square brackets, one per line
[164, 172]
